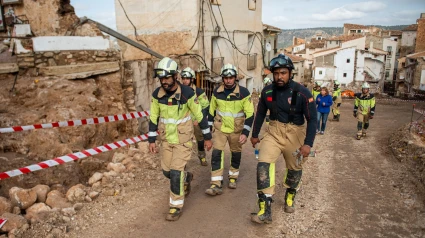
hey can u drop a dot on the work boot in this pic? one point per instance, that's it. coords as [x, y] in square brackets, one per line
[364, 134]
[187, 180]
[264, 215]
[203, 161]
[173, 214]
[337, 117]
[214, 190]
[232, 183]
[358, 137]
[289, 201]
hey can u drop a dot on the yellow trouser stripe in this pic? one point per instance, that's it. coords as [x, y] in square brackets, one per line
[272, 174]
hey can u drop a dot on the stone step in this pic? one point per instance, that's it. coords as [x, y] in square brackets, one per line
[7, 68]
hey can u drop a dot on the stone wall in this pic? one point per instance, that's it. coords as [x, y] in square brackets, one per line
[60, 58]
[420, 36]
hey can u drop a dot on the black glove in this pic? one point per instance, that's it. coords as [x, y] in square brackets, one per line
[355, 114]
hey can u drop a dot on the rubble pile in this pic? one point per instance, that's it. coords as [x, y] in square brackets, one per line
[54, 207]
[409, 148]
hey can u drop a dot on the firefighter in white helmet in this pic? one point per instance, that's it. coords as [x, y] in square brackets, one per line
[231, 113]
[171, 109]
[364, 109]
[188, 79]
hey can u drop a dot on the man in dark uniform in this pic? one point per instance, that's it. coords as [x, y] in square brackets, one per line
[290, 105]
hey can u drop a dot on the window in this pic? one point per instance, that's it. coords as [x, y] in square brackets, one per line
[359, 31]
[320, 72]
[348, 60]
[345, 75]
[330, 42]
[216, 2]
[352, 31]
[251, 4]
[387, 74]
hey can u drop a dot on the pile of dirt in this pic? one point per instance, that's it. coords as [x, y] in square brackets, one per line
[51, 211]
[408, 146]
[42, 100]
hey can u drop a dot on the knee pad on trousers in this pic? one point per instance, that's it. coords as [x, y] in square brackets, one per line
[216, 159]
[201, 146]
[176, 181]
[236, 160]
[265, 175]
[166, 174]
[292, 178]
[366, 125]
[359, 125]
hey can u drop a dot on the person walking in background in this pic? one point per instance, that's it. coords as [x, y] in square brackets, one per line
[316, 89]
[324, 103]
[336, 97]
[364, 109]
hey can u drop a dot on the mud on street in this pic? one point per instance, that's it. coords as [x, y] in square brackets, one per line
[351, 189]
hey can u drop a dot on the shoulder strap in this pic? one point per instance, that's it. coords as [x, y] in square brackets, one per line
[293, 102]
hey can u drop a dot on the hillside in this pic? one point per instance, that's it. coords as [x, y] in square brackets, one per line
[285, 38]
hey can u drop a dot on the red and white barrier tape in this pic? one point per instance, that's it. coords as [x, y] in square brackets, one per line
[88, 121]
[419, 111]
[2, 221]
[72, 157]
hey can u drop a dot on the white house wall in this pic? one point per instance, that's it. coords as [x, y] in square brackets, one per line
[392, 59]
[340, 61]
[375, 66]
[328, 74]
[358, 43]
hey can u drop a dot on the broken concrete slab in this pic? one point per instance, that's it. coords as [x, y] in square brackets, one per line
[79, 71]
[52, 43]
[7, 68]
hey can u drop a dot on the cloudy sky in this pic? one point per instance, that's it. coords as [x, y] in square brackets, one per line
[290, 14]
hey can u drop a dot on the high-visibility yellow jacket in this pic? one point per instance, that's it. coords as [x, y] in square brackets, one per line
[171, 116]
[202, 99]
[233, 113]
[315, 93]
[365, 104]
[336, 96]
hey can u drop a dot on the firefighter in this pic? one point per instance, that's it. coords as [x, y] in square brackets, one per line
[290, 105]
[171, 108]
[364, 109]
[316, 89]
[337, 100]
[231, 113]
[188, 79]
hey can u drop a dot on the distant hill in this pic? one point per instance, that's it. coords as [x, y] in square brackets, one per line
[285, 38]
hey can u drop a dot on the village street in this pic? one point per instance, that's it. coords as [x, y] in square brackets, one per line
[351, 189]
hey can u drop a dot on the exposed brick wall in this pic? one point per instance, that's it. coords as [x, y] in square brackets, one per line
[59, 58]
[420, 36]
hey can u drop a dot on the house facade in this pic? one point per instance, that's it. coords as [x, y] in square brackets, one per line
[199, 38]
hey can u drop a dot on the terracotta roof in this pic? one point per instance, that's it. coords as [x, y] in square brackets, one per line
[296, 58]
[321, 51]
[416, 55]
[271, 28]
[345, 38]
[413, 27]
[316, 44]
[354, 26]
[378, 51]
[396, 33]
[301, 52]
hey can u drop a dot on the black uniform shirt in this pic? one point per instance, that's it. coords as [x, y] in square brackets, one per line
[305, 109]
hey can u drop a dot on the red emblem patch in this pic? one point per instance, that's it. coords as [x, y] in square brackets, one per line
[269, 99]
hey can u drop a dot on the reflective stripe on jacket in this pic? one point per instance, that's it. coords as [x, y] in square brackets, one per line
[365, 103]
[171, 116]
[231, 114]
[337, 94]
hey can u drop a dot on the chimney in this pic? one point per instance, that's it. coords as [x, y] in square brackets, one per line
[420, 34]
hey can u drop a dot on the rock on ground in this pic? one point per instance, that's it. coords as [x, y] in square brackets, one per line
[5, 205]
[33, 211]
[76, 193]
[23, 198]
[42, 191]
[13, 222]
[56, 199]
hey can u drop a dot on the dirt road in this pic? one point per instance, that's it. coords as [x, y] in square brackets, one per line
[351, 189]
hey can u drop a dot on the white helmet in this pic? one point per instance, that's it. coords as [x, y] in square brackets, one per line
[166, 67]
[267, 80]
[188, 73]
[228, 70]
[336, 82]
[365, 85]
